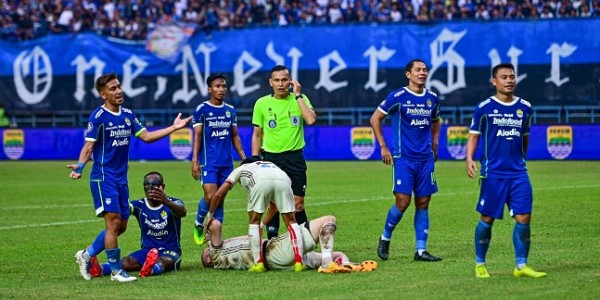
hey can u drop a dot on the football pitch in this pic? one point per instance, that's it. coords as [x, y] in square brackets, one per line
[45, 217]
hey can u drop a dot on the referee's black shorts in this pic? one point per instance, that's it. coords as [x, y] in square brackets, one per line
[294, 165]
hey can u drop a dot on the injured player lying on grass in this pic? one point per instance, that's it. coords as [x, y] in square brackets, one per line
[277, 253]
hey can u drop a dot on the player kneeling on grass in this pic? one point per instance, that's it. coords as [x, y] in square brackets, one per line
[235, 253]
[159, 217]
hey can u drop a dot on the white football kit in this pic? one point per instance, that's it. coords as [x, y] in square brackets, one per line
[235, 253]
[265, 183]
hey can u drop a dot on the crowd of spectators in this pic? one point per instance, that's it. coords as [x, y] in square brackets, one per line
[133, 19]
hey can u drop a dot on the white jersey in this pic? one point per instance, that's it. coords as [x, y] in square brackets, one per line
[248, 175]
[264, 182]
[235, 253]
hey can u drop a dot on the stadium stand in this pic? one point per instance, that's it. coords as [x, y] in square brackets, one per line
[133, 19]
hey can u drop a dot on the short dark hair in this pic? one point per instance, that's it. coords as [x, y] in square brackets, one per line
[249, 160]
[103, 80]
[502, 66]
[213, 77]
[411, 63]
[278, 68]
[155, 173]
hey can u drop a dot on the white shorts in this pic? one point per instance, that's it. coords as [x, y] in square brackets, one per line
[278, 191]
[280, 255]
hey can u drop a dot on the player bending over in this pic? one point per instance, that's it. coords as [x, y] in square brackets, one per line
[266, 184]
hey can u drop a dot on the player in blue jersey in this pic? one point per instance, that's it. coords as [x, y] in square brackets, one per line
[215, 132]
[159, 217]
[109, 130]
[415, 133]
[502, 124]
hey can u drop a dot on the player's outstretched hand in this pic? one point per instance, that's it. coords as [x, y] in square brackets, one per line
[179, 123]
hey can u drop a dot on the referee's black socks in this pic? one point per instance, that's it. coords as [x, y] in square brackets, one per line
[273, 225]
[301, 217]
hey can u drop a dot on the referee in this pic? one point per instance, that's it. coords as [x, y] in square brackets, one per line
[278, 136]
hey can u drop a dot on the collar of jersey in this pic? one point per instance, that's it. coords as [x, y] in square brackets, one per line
[111, 112]
[514, 100]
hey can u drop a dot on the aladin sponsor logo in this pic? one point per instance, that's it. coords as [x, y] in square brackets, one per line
[118, 143]
[419, 122]
[220, 133]
[509, 133]
[157, 233]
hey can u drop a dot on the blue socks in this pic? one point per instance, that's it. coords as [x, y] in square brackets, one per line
[203, 208]
[483, 235]
[106, 269]
[202, 211]
[421, 224]
[393, 218]
[98, 245]
[219, 214]
[521, 241]
[157, 269]
[114, 259]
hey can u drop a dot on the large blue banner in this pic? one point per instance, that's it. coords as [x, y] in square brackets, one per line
[322, 143]
[558, 62]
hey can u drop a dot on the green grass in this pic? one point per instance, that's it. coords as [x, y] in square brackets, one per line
[45, 217]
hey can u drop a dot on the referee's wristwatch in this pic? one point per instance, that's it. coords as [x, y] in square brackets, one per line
[299, 96]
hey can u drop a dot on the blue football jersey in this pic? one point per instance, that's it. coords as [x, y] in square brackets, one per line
[217, 123]
[111, 133]
[412, 116]
[159, 227]
[502, 127]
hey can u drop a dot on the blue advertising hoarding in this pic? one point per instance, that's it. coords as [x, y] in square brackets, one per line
[564, 142]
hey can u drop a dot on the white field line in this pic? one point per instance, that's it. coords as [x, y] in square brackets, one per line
[44, 206]
[49, 224]
[443, 195]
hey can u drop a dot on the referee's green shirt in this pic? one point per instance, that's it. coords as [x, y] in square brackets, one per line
[281, 122]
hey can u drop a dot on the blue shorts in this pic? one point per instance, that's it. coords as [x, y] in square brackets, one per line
[414, 176]
[141, 254]
[215, 175]
[516, 193]
[110, 197]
